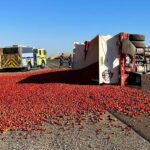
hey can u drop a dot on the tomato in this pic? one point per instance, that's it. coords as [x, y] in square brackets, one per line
[28, 100]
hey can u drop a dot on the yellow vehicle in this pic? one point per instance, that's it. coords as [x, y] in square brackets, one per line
[1, 53]
[39, 57]
[22, 57]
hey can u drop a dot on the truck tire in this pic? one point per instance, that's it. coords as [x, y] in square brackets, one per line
[137, 37]
[138, 44]
[43, 65]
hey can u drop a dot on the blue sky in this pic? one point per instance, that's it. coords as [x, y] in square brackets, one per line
[56, 24]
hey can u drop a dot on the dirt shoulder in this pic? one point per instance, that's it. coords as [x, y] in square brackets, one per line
[99, 136]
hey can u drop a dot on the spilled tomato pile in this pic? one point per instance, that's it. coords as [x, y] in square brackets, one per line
[29, 99]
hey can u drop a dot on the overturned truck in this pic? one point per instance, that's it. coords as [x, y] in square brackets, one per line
[120, 59]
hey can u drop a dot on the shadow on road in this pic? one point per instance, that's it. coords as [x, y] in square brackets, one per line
[10, 70]
[82, 77]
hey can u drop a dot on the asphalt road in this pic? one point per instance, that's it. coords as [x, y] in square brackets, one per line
[54, 64]
[140, 124]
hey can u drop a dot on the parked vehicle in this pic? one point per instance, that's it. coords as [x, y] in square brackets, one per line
[1, 52]
[23, 57]
[39, 57]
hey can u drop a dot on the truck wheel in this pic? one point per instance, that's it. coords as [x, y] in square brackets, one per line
[28, 67]
[137, 37]
[43, 65]
[138, 44]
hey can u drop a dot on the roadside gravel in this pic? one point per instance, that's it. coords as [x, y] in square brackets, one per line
[99, 136]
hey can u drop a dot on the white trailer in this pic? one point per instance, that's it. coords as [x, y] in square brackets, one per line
[103, 50]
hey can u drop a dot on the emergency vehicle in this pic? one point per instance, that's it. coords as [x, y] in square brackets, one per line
[22, 57]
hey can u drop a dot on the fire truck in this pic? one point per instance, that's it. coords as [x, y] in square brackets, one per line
[22, 57]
